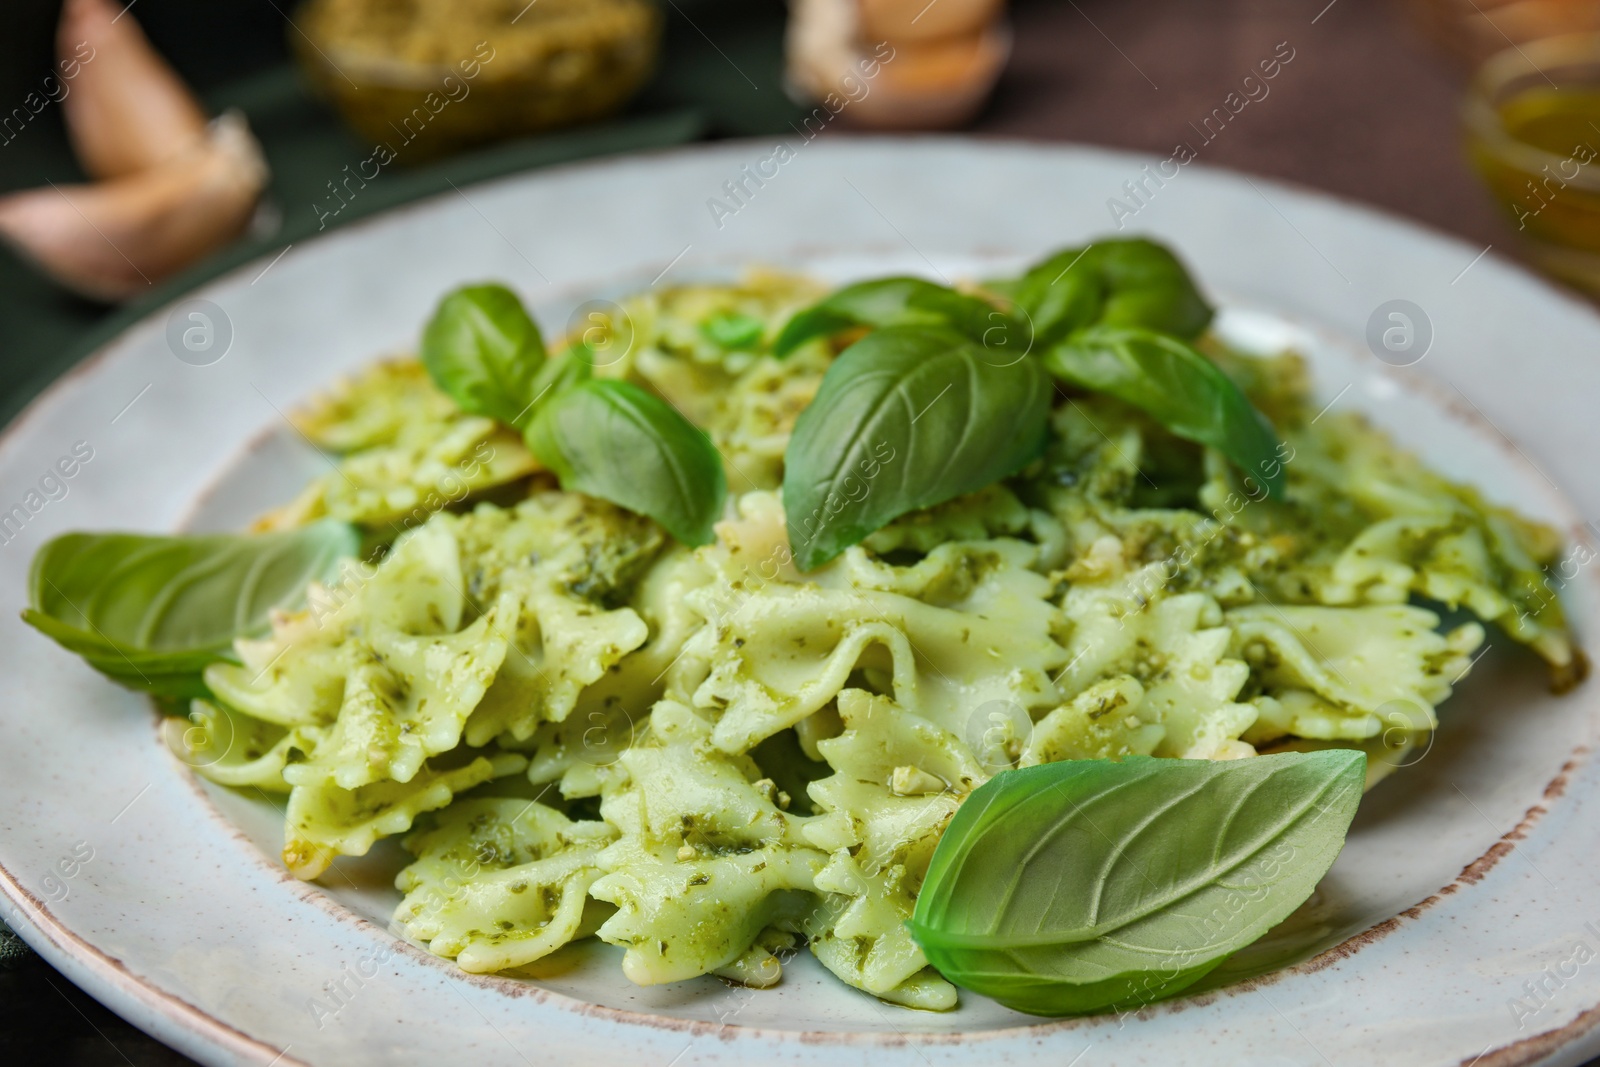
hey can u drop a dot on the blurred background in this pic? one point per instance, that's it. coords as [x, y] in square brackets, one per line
[146, 147]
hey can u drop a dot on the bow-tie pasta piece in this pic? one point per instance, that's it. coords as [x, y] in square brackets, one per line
[499, 882]
[708, 857]
[324, 821]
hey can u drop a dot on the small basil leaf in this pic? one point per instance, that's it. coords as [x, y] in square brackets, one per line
[1175, 385]
[1077, 886]
[1119, 282]
[482, 348]
[151, 612]
[891, 302]
[906, 418]
[733, 330]
[614, 440]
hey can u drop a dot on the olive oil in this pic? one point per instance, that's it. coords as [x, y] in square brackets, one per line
[1545, 168]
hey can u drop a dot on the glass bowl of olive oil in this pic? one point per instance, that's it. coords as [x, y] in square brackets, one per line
[1533, 131]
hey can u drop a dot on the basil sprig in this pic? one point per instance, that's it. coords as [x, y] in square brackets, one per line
[1083, 885]
[484, 350]
[905, 418]
[1175, 385]
[616, 441]
[1114, 317]
[1128, 282]
[152, 612]
[897, 302]
[604, 438]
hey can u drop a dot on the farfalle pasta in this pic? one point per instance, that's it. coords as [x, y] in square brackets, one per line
[711, 759]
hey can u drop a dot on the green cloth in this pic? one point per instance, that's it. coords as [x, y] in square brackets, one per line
[13, 950]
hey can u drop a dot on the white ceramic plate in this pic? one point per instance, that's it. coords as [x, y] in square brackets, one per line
[1467, 887]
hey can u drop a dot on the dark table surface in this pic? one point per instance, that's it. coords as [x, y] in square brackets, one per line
[1366, 110]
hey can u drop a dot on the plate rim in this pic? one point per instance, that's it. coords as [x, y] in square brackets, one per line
[212, 1034]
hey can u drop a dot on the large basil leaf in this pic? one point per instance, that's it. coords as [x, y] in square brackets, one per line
[901, 302]
[1175, 385]
[1077, 886]
[151, 612]
[483, 349]
[1121, 282]
[614, 440]
[906, 418]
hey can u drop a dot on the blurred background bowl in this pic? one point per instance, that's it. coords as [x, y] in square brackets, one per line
[429, 77]
[1532, 117]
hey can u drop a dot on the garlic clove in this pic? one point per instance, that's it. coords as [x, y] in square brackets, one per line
[112, 239]
[128, 109]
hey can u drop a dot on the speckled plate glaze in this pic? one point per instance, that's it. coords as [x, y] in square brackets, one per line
[1461, 924]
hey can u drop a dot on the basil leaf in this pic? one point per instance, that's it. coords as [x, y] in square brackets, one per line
[733, 330]
[614, 440]
[898, 302]
[1175, 385]
[906, 418]
[1123, 282]
[1077, 886]
[482, 348]
[151, 612]
[605, 438]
